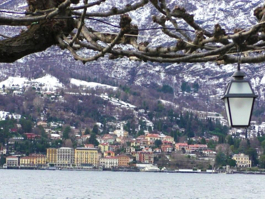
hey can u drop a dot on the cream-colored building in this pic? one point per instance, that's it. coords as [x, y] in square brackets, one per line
[86, 156]
[242, 160]
[12, 161]
[109, 162]
[167, 139]
[121, 132]
[103, 147]
[65, 157]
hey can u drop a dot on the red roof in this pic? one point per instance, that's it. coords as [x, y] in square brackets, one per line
[153, 135]
[89, 145]
[31, 135]
[181, 144]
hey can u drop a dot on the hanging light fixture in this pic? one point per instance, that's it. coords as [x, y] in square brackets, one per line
[239, 100]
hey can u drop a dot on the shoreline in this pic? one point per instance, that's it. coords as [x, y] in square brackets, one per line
[136, 170]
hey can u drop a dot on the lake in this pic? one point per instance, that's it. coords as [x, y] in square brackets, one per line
[37, 184]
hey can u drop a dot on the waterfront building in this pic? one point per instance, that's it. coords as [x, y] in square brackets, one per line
[27, 161]
[86, 156]
[123, 160]
[51, 155]
[12, 161]
[242, 160]
[65, 157]
[40, 160]
[109, 162]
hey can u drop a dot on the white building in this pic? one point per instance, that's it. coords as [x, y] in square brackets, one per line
[12, 161]
[65, 157]
[121, 132]
[109, 162]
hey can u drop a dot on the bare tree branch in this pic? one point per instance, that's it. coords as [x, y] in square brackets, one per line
[59, 22]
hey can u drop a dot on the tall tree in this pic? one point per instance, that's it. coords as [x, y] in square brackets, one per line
[93, 139]
[26, 125]
[87, 132]
[66, 132]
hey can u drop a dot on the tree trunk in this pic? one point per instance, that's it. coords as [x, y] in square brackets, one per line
[37, 38]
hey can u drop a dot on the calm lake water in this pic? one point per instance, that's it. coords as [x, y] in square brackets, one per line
[35, 184]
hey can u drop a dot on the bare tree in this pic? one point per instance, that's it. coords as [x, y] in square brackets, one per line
[65, 23]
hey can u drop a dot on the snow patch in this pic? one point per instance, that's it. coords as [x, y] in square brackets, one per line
[92, 85]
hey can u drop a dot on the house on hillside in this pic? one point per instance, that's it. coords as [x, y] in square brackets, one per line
[242, 160]
[121, 132]
[103, 147]
[89, 146]
[167, 148]
[196, 147]
[151, 138]
[181, 146]
[31, 136]
[129, 150]
[43, 124]
[107, 138]
[157, 150]
[109, 154]
[144, 157]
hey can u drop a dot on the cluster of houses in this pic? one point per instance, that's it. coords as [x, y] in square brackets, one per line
[115, 150]
[90, 157]
[93, 157]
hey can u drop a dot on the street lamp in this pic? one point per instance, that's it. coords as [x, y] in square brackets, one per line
[239, 101]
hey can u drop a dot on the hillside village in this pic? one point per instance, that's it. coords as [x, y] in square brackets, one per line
[39, 142]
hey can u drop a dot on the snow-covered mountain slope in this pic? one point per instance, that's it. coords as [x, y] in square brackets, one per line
[50, 83]
[90, 85]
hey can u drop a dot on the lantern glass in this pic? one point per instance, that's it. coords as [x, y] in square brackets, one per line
[240, 110]
[240, 88]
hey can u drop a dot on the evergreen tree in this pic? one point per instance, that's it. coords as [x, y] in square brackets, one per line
[87, 132]
[66, 132]
[93, 139]
[95, 129]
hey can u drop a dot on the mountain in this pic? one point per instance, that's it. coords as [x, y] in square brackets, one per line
[210, 78]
